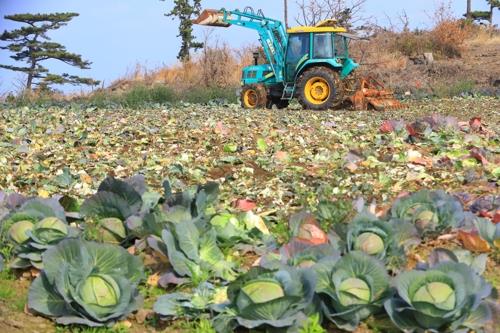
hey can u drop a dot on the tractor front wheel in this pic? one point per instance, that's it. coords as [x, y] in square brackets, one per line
[320, 88]
[253, 97]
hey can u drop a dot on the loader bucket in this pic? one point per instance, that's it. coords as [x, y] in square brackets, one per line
[373, 95]
[211, 17]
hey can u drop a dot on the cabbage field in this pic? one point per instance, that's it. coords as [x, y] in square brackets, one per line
[210, 218]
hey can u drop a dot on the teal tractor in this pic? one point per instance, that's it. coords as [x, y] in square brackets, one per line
[311, 64]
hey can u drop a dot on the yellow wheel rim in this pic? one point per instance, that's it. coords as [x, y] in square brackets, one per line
[250, 98]
[317, 90]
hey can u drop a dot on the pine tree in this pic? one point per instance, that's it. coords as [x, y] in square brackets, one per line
[493, 4]
[480, 15]
[186, 11]
[32, 45]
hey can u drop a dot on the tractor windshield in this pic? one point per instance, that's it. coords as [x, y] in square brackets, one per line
[323, 48]
[340, 46]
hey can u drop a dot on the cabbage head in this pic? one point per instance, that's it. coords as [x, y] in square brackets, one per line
[33, 239]
[86, 283]
[352, 289]
[429, 211]
[384, 240]
[366, 233]
[449, 297]
[264, 299]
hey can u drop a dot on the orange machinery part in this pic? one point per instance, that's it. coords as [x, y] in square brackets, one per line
[372, 94]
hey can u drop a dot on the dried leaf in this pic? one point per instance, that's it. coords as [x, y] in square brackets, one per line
[473, 242]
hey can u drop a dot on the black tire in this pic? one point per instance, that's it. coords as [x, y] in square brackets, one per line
[253, 96]
[331, 78]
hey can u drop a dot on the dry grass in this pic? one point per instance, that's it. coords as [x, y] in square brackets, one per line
[217, 66]
[484, 36]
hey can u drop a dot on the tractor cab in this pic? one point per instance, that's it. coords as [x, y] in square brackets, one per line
[316, 61]
[312, 46]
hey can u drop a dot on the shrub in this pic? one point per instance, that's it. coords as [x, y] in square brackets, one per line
[448, 38]
[462, 87]
[141, 94]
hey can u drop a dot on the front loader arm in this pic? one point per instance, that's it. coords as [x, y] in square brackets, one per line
[272, 34]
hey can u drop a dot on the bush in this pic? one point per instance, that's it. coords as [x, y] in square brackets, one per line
[204, 95]
[448, 38]
[140, 95]
[413, 43]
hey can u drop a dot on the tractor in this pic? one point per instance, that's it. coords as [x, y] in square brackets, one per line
[311, 64]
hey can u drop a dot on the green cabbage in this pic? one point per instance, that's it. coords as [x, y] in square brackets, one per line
[429, 211]
[86, 283]
[445, 298]
[261, 298]
[352, 289]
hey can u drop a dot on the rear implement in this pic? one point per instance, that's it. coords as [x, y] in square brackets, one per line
[372, 95]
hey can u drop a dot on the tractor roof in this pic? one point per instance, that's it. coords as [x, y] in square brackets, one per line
[302, 29]
[329, 25]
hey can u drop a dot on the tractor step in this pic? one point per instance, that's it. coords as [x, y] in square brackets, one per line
[288, 92]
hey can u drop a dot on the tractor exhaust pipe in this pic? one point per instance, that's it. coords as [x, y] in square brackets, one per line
[256, 58]
[211, 17]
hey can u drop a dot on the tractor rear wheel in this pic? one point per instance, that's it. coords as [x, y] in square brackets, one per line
[320, 88]
[253, 96]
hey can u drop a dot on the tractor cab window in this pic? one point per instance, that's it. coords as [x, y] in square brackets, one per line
[340, 46]
[297, 52]
[323, 47]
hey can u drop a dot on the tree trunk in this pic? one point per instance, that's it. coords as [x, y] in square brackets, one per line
[31, 75]
[469, 9]
[491, 14]
[286, 13]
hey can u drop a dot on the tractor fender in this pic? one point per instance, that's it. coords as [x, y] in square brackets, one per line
[333, 64]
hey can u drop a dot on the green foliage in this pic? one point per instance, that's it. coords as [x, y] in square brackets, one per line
[202, 325]
[240, 228]
[31, 44]
[333, 214]
[190, 305]
[204, 95]
[118, 328]
[10, 294]
[141, 95]
[312, 325]
[193, 252]
[300, 254]
[185, 11]
[459, 88]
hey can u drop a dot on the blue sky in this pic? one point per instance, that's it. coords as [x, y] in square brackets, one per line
[118, 34]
